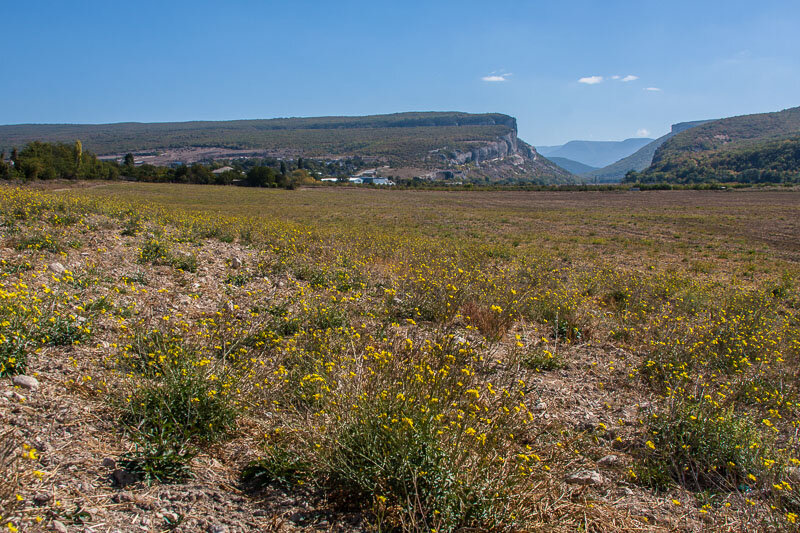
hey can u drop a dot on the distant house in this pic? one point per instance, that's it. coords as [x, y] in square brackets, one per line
[329, 179]
[221, 170]
[355, 180]
[378, 181]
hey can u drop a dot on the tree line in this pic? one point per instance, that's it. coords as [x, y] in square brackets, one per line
[49, 161]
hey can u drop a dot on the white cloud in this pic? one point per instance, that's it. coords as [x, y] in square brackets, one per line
[642, 132]
[630, 77]
[615, 77]
[591, 80]
[497, 76]
[653, 89]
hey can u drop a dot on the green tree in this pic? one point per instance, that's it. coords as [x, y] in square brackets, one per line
[5, 170]
[78, 157]
[33, 168]
[261, 177]
[128, 160]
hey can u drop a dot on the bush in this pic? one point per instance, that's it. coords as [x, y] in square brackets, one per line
[316, 277]
[543, 360]
[158, 457]
[13, 354]
[701, 447]
[401, 430]
[278, 465]
[238, 280]
[159, 253]
[405, 461]
[185, 401]
[132, 226]
[64, 331]
[154, 251]
[181, 401]
[328, 317]
[39, 241]
[561, 314]
[186, 262]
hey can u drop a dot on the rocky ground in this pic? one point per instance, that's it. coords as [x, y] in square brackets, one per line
[64, 428]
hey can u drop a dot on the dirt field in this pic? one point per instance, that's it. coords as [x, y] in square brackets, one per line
[227, 359]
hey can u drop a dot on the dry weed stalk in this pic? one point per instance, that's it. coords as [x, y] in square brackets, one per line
[8, 467]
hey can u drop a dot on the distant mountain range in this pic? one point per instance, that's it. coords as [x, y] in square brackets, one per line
[758, 148]
[594, 153]
[639, 160]
[575, 167]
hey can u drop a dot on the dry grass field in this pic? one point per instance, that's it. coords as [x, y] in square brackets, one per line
[228, 359]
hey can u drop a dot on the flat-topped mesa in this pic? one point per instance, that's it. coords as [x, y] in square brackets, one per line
[367, 135]
[409, 144]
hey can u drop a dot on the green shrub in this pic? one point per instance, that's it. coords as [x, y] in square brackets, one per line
[406, 462]
[186, 262]
[159, 253]
[543, 360]
[418, 306]
[65, 219]
[185, 400]
[64, 331]
[328, 317]
[562, 316]
[346, 280]
[14, 268]
[39, 241]
[13, 353]
[158, 457]
[132, 227]
[404, 434]
[135, 277]
[701, 447]
[239, 280]
[278, 465]
[316, 277]
[154, 251]
[180, 400]
[152, 353]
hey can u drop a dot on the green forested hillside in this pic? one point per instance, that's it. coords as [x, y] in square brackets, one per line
[638, 160]
[403, 136]
[761, 148]
[732, 132]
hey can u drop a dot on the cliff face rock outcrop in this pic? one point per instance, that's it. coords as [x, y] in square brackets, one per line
[505, 146]
[504, 159]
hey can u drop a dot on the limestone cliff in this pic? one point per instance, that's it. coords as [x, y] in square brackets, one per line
[505, 158]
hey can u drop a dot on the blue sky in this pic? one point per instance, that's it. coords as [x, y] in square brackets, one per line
[118, 61]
